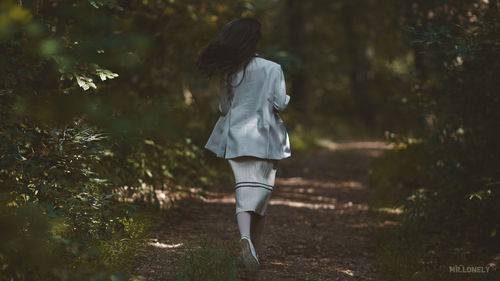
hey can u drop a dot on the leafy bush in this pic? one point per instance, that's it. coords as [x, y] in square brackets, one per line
[71, 134]
[452, 174]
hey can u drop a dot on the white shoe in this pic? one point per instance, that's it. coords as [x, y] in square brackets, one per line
[250, 258]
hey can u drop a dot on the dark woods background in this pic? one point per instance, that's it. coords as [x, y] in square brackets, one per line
[102, 94]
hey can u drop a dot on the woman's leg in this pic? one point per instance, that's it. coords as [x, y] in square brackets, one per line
[244, 221]
[251, 225]
[257, 228]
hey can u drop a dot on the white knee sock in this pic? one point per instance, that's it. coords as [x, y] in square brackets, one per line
[244, 220]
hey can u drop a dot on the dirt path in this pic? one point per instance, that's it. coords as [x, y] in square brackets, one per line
[317, 227]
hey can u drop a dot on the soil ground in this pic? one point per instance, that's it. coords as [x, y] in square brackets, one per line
[318, 226]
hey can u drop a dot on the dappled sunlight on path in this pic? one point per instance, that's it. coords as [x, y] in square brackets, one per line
[317, 225]
[371, 145]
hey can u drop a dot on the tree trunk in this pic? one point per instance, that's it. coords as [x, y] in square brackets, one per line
[357, 65]
[297, 36]
[412, 17]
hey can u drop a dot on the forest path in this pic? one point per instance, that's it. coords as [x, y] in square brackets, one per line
[317, 227]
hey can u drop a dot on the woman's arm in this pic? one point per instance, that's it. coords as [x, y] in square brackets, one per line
[280, 98]
[224, 100]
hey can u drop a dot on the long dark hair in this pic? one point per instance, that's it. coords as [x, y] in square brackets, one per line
[231, 50]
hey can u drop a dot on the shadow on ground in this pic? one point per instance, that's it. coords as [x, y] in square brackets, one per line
[318, 226]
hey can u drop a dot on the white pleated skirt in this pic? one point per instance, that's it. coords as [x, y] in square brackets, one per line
[254, 182]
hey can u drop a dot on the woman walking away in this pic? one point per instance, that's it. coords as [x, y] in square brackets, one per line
[249, 132]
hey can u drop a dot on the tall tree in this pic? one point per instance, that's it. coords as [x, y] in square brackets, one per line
[297, 39]
[358, 64]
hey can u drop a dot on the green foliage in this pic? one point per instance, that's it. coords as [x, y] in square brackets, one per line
[120, 252]
[302, 139]
[94, 96]
[408, 172]
[53, 173]
[25, 229]
[407, 251]
[452, 173]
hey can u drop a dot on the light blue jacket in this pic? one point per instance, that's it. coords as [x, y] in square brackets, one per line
[250, 123]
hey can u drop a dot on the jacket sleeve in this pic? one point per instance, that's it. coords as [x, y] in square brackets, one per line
[224, 100]
[280, 98]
